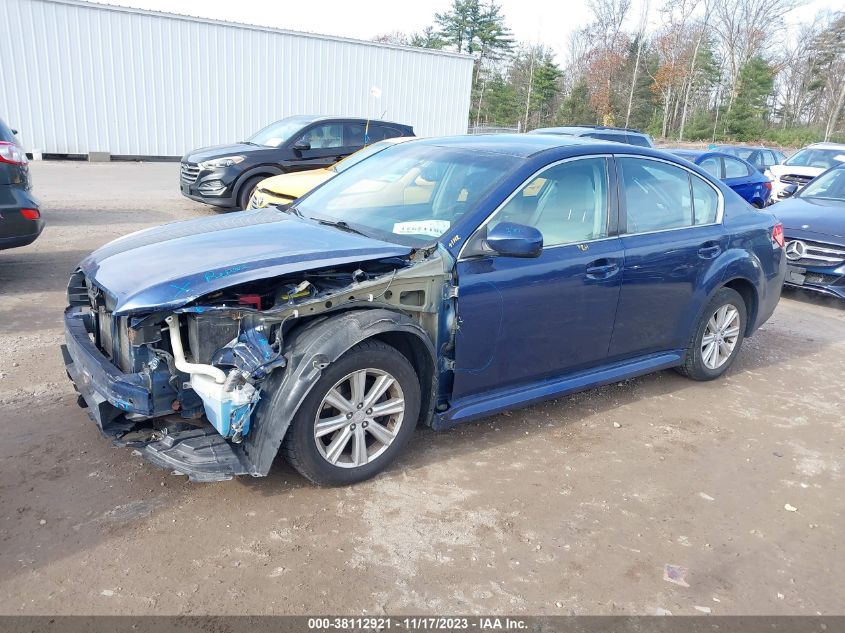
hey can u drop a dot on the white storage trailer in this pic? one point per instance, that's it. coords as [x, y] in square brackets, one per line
[78, 77]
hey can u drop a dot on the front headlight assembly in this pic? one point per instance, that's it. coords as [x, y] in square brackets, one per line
[218, 163]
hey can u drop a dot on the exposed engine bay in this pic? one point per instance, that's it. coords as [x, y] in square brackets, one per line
[208, 364]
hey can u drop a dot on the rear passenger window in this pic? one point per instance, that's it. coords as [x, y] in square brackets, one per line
[705, 201]
[735, 169]
[353, 134]
[657, 195]
[768, 159]
[711, 166]
[391, 132]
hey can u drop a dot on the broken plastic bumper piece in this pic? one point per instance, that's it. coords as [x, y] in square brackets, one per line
[199, 452]
[107, 391]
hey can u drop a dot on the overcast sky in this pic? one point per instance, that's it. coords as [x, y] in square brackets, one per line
[545, 21]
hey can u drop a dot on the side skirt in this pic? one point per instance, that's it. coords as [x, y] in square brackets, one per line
[477, 406]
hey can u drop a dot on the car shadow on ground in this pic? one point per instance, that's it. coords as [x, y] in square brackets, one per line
[813, 298]
[428, 446]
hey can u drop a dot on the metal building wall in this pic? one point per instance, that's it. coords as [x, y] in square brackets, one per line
[77, 77]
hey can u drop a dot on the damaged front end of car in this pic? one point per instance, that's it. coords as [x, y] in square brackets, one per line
[185, 385]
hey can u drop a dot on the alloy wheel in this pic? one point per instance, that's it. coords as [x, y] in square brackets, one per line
[720, 336]
[359, 418]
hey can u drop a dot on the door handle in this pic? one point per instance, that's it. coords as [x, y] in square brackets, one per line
[602, 269]
[709, 251]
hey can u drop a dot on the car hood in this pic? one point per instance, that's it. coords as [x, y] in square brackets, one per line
[168, 266]
[219, 151]
[779, 170]
[295, 184]
[811, 215]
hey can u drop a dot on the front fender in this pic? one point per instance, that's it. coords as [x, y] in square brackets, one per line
[309, 351]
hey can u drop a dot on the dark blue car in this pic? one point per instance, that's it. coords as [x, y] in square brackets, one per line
[739, 175]
[439, 281]
[814, 228]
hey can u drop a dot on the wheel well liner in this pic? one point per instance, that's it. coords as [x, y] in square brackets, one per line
[749, 295]
[312, 348]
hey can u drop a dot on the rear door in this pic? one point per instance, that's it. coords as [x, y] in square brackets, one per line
[671, 233]
[737, 177]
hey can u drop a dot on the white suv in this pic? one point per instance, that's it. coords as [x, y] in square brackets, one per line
[804, 165]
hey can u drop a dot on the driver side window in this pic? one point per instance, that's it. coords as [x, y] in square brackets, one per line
[324, 136]
[567, 203]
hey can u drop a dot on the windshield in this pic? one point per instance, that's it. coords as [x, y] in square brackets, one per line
[279, 132]
[813, 157]
[360, 155]
[830, 186]
[410, 194]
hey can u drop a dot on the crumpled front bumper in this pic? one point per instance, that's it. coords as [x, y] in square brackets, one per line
[187, 448]
[106, 390]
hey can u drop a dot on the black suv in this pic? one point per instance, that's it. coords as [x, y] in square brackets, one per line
[226, 175]
[20, 217]
[616, 134]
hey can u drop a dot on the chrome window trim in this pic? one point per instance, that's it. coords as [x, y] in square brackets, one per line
[720, 208]
[527, 181]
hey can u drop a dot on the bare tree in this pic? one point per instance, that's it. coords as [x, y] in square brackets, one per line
[747, 28]
[640, 38]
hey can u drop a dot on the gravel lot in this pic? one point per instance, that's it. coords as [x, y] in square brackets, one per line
[548, 510]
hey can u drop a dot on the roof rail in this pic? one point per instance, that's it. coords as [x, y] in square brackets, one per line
[606, 127]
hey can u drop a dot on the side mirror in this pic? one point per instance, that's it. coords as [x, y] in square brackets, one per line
[15, 132]
[788, 191]
[301, 146]
[515, 240]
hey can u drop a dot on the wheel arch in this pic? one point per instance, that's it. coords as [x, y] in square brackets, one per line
[749, 295]
[312, 348]
[260, 171]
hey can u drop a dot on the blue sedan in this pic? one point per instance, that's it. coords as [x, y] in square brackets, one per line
[736, 173]
[436, 282]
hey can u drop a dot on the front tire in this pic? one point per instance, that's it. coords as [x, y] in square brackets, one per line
[357, 418]
[246, 191]
[717, 337]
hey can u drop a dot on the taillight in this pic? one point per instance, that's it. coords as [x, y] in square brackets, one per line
[777, 234]
[768, 185]
[12, 153]
[31, 214]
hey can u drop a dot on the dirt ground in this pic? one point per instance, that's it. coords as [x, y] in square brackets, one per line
[548, 510]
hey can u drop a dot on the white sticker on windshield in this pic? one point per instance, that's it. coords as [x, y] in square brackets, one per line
[435, 228]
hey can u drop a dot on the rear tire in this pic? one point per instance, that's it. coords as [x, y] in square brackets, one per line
[337, 437]
[717, 337]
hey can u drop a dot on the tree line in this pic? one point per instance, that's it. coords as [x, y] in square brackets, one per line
[688, 70]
